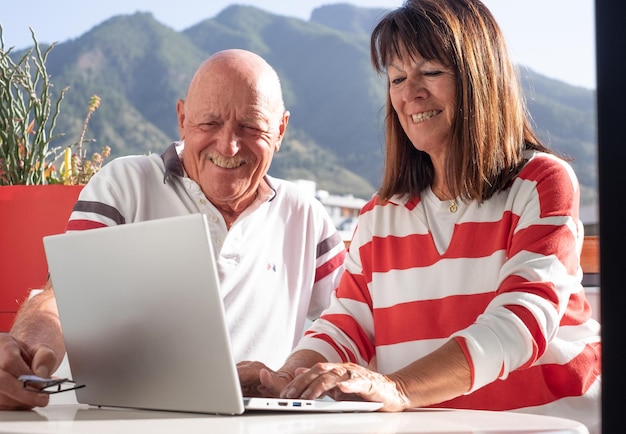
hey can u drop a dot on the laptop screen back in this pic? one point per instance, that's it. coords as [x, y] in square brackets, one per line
[142, 316]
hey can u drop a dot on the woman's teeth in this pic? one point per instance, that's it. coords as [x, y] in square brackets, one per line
[424, 116]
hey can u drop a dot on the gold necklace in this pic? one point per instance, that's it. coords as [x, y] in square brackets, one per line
[452, 207]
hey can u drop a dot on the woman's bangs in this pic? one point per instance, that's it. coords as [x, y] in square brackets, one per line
[408, 33]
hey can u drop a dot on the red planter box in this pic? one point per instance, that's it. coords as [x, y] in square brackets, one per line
[27, 214]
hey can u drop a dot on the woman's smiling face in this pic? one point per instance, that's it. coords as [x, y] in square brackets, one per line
[423, 95]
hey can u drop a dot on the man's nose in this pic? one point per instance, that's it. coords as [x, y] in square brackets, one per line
[228, 142]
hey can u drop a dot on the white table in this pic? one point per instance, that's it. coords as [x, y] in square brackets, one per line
[80, 419]
[65, 416]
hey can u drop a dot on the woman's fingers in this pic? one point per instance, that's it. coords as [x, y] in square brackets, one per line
[316, 381]
[346, 381]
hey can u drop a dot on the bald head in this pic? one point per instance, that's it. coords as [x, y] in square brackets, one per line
[240, 68]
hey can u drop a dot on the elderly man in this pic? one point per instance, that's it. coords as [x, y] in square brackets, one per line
[278, 253]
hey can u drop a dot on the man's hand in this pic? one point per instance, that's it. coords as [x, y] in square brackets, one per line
[16, 358]
[249, 377]
[258, 380]
[273, 382]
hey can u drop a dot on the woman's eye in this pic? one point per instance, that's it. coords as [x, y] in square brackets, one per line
[396, 81]
[433, 73]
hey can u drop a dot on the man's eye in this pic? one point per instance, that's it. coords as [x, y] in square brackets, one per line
[252, 130]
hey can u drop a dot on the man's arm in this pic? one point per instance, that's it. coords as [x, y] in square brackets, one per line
[37, 323]
[34, 345]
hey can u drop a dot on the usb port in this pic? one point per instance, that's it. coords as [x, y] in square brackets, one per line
[297, 404]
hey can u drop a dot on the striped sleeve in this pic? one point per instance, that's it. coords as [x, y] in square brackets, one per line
[99, 204]
[538, 278]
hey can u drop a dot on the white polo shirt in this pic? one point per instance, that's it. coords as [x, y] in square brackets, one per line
[278, 263]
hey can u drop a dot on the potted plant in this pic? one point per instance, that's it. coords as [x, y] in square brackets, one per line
[35, 199]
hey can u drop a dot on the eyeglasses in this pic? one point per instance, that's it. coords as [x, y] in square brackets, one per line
[33, 383]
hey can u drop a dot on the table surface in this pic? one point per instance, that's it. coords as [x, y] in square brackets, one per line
[65, 416]
[78, 418]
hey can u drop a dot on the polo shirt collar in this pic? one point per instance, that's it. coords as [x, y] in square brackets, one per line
[172, 162]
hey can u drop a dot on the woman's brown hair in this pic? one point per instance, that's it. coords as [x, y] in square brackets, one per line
[492, 126]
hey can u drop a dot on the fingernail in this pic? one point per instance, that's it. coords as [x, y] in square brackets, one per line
[291, 393]
[41, 371]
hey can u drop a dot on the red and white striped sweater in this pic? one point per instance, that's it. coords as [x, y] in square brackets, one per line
[504, 282]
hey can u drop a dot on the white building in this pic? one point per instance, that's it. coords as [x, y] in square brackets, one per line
[343, 210]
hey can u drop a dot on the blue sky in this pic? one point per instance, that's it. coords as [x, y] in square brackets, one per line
[553, 37]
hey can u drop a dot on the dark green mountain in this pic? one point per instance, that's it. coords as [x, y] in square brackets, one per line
[139, 67]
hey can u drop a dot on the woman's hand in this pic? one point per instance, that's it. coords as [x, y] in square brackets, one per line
[346, 381]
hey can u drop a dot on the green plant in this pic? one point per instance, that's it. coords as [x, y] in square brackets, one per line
[28, 115]
[77, 168]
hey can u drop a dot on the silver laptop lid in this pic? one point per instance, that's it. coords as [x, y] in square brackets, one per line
[142, 316]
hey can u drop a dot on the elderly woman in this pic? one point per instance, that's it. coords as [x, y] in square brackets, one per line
[462, 285]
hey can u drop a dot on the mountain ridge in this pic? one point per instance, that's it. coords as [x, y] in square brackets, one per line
[140, 67]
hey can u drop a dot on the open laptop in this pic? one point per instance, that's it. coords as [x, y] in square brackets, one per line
[143, 320]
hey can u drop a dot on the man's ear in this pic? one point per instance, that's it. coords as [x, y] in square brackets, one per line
[180, 113]
[282, 128]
